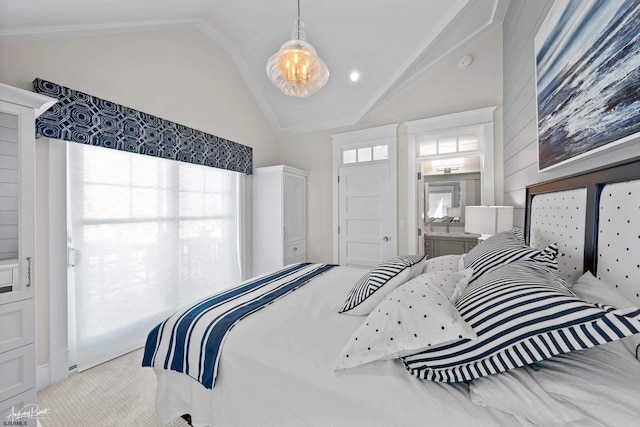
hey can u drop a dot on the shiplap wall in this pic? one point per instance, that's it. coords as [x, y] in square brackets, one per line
[521, 23]
[8, 186]
[520, 130]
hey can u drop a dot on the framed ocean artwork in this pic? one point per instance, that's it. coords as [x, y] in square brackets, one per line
[587, 79]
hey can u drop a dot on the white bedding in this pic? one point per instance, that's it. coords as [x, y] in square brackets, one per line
[277, 367]
[599, 386]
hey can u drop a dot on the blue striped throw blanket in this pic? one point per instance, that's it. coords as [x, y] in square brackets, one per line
[190, 341]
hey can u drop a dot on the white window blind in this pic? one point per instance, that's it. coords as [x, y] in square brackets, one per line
[147, 236]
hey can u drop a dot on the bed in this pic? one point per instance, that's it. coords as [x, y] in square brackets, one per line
[288, 363]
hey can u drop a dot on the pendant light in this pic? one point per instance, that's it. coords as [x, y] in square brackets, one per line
[296, 68]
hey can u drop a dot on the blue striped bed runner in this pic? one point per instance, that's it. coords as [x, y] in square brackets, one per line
[190, 341]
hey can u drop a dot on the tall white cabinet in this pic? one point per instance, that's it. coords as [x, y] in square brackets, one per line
[18, 110]
[279, 217]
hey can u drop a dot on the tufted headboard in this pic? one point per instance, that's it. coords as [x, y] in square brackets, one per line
[595, 219]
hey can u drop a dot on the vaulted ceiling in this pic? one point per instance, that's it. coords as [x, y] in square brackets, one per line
[388, 42]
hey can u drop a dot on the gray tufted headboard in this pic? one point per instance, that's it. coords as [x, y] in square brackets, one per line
[595, 219]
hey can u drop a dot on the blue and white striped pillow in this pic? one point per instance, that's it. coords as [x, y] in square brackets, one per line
[522, 314]
[518, 233]
[376, 284]
[504, 248]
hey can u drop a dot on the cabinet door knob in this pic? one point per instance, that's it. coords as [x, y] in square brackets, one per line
[385, 238]
[295, 248]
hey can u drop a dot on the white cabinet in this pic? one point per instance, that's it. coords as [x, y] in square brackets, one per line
[279, 217]
[18, 110]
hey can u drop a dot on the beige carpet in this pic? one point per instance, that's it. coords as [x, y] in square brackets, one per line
[117, 393]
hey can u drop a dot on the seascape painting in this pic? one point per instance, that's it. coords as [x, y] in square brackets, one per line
[588, 79]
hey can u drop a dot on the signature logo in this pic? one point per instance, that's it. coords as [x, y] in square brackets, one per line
[30, 411]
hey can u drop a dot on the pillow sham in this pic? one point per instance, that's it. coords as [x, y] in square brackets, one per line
[518, 233]
[444, 263]
[411, 318]
[592, 289]
[521, 314]
[504, 248]
[376, 284]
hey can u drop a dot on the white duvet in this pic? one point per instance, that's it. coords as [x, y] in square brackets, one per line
[599, 386]
[276, 369]
[594, 387]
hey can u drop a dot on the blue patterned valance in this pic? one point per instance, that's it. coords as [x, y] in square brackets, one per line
[85, 119]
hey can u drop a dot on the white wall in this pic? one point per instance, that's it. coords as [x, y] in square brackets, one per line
[177, 74]
[443, 89]
[520, 130]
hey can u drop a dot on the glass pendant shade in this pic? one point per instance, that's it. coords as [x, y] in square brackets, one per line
[296, 68]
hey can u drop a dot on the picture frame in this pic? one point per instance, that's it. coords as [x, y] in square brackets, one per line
[587, 60]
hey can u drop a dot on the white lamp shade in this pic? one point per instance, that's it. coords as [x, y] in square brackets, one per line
[488, 219]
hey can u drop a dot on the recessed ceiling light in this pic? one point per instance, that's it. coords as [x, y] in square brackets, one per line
[354, 76]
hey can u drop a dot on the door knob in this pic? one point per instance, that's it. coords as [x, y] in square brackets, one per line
[385, 238]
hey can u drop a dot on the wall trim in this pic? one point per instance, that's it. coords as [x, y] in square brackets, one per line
[43, 377]
[58, 290]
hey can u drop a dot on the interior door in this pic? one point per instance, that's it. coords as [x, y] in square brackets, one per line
[294, 207]
[367, 233]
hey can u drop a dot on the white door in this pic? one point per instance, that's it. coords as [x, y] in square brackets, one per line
[367, 232]
[294, 207]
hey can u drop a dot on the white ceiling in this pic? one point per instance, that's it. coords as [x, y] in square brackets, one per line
[390, 42]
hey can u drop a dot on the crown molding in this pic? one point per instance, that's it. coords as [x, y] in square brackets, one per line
[40, 33]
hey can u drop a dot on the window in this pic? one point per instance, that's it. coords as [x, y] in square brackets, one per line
[365, 154]
[148, 236]
[428, 147]
[468, 142]
[380, 152]
[447, 144]
[349, 156]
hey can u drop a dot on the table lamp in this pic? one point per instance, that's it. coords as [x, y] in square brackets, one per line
[488, 220]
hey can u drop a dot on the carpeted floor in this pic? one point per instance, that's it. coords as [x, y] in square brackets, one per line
[117, 393]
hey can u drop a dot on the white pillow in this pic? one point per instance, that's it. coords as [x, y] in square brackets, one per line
[444, 263]
[450, 283]
[412, 318]
[591, 289]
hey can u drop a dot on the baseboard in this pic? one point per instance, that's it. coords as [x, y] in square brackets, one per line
[43, 376]
[59, 366]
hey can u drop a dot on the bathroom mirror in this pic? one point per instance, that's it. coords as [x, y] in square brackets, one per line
[445, 198]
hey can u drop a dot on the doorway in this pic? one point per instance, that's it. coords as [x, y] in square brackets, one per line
[364, 197]
[436, 145]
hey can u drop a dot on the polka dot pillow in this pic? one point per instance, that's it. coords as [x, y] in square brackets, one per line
[444, 263]
[450, 283]
[414, 317]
